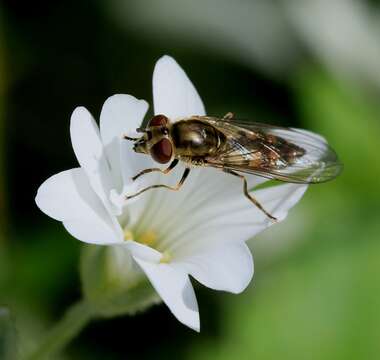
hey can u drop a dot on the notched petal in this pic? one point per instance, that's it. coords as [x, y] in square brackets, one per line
[175, 289]
[68, 197]
[174, 94]
[90, 153]
[226, 267]
[121, 115]
[278, 200]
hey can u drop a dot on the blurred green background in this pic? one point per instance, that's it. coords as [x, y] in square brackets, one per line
[311, 64]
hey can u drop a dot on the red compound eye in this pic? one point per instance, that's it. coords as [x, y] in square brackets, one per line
[162, 151]
[158, 120]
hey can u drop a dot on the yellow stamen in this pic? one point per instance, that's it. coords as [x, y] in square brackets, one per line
[128, 235]
[166, 257]
[148, 238]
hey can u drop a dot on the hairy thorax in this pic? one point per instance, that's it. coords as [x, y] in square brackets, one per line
[195, 138]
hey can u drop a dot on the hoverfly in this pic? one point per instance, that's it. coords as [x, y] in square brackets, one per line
[236, 147]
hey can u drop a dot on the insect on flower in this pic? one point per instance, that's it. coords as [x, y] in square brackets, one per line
[157, 235]
[235, 147]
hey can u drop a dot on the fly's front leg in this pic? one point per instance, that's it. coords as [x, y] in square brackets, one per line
[165, 171]
[130, 138]
[246, 193]
[175, 188]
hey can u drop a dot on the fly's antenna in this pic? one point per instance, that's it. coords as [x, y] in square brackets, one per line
[145, 131]
[139, 130]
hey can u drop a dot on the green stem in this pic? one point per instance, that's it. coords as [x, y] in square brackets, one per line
[75, 319]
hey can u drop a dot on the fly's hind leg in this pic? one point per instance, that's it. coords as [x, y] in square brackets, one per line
[165, 171]
[246, 193]
[174, 188]
[228, 116]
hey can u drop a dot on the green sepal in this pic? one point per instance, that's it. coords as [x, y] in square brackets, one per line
[113, 283]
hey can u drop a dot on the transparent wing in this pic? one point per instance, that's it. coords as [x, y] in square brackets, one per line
[251, 144]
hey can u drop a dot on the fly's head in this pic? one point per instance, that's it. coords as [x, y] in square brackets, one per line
[155, 140]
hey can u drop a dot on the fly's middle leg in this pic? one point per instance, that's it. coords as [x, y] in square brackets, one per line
[248, 195]
[174, 188]
[165, 171]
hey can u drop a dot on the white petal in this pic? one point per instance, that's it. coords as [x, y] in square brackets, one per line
[121, 115]
[237, 220]
[68, 197]
[175, 289]
[142, 251]
[174, 94]
[208, 195]
[280, 199]
[227, 266]
[89, 151]
[133, 163]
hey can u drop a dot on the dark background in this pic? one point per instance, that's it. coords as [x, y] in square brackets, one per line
[316, 289]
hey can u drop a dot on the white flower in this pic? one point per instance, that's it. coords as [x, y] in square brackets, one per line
[199, 231]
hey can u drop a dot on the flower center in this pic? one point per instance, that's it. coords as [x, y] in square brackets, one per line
[128, 235]
[149, 238]
[166, 257]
